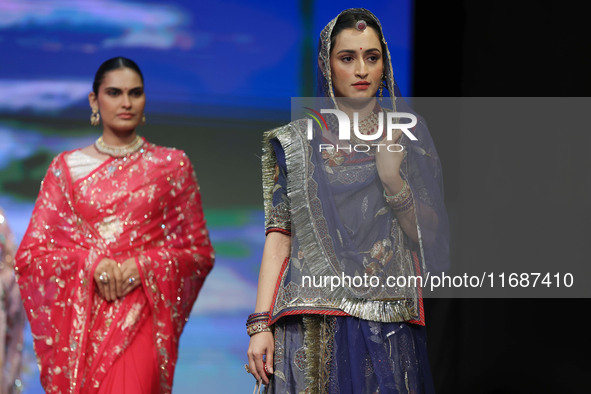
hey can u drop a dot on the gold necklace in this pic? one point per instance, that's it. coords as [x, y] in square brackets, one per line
[119, 151]
[367, 126]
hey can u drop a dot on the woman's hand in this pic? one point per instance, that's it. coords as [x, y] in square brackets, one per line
[261, 344]
[277, 249]
[107, 276]
[116, 281]
[388, 165]
[130, 277]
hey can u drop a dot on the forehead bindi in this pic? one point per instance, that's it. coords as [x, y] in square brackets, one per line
[122, 78]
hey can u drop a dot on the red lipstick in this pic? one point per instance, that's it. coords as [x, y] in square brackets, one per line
[361, 85]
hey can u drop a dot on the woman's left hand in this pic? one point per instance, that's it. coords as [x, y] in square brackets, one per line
[130, 277]
[388, 164]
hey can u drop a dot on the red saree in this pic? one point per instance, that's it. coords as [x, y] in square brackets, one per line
[146, 205]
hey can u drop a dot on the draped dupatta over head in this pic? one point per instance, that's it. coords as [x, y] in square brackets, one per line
[333, 205]
[146, 206]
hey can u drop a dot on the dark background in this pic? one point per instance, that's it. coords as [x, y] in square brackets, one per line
[510, 49]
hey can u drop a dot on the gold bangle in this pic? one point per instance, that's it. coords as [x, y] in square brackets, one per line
[400, 196]
[257, 327]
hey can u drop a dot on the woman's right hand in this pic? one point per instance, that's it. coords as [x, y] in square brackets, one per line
[261, 344]
[108, 289]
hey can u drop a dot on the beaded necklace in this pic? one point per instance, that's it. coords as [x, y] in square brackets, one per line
[367, 126]
[119, 151]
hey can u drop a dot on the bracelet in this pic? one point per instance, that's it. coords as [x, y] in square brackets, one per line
[255, 328]
[257, 322]
[404, 205]
[400, 196]
[401, 201]
[257, 314]
[254, 321]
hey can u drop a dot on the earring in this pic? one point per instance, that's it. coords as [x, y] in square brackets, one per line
[381, 90]
[95, 118]
[143, 119]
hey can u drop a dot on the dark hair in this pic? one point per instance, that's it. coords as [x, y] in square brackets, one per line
[113, 64]
[349, 20]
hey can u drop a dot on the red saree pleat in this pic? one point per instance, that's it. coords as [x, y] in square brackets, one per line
[136, 371]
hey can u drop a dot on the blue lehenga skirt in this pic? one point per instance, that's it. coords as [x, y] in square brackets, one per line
[329, 354]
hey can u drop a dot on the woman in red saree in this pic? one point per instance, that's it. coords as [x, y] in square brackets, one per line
[115, 253]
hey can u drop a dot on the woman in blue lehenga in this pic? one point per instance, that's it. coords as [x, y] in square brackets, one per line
[347, 213]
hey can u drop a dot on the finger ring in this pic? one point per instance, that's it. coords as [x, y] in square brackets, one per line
[247, 368]
[104, 278]
[131, 280]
